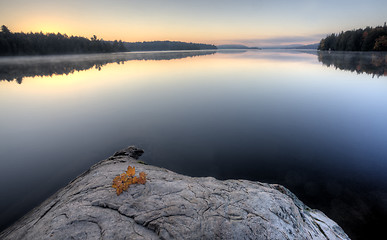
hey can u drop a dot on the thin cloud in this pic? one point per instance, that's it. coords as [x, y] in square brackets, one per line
[278, 41]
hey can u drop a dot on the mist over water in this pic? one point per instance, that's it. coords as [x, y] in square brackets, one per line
[312, 121]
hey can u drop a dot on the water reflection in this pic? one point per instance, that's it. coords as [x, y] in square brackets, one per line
[374, 63]
[17, 68]
[231, 51]
[272, 116]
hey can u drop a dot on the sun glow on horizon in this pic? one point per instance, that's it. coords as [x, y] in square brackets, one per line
[248, 22]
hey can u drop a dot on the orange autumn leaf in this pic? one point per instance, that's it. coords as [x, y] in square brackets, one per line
[131, 171]
[135, 180]
[142, 178]
[120, 183]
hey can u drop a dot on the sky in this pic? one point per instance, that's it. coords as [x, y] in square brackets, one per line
[259, 23]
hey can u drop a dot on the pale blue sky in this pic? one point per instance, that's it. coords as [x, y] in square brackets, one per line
[256, 23]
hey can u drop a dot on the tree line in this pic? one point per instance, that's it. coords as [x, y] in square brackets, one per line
[51, 43]
[368, 39]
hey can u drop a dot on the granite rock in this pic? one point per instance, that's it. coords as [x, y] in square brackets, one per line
[170, 206]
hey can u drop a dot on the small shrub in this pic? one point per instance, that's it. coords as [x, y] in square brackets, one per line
[123, 181]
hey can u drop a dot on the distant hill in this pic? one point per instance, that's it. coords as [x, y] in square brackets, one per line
[235, 46]
[309, 46]
[166, 46]
[295, 46]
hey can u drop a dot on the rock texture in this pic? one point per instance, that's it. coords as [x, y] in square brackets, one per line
[170, 206]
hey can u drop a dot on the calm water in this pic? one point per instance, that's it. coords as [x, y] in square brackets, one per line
[314, 122]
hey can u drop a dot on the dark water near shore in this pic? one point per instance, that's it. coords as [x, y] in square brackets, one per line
[315, 122]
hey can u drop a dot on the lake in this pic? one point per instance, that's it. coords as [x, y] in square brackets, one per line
[315, 122]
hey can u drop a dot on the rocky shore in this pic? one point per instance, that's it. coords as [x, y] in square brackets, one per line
[170, 206]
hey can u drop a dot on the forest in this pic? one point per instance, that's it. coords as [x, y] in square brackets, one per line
[20, 43]
[368, 39]
[51, 43]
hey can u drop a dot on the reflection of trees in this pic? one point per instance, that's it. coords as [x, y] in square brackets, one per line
[374, 63]
[16, 68]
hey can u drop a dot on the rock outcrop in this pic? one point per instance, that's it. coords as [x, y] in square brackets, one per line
[170, 206]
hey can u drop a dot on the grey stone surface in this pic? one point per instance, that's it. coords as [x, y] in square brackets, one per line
[170, 206]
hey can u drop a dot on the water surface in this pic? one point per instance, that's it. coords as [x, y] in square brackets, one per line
[315, 122]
